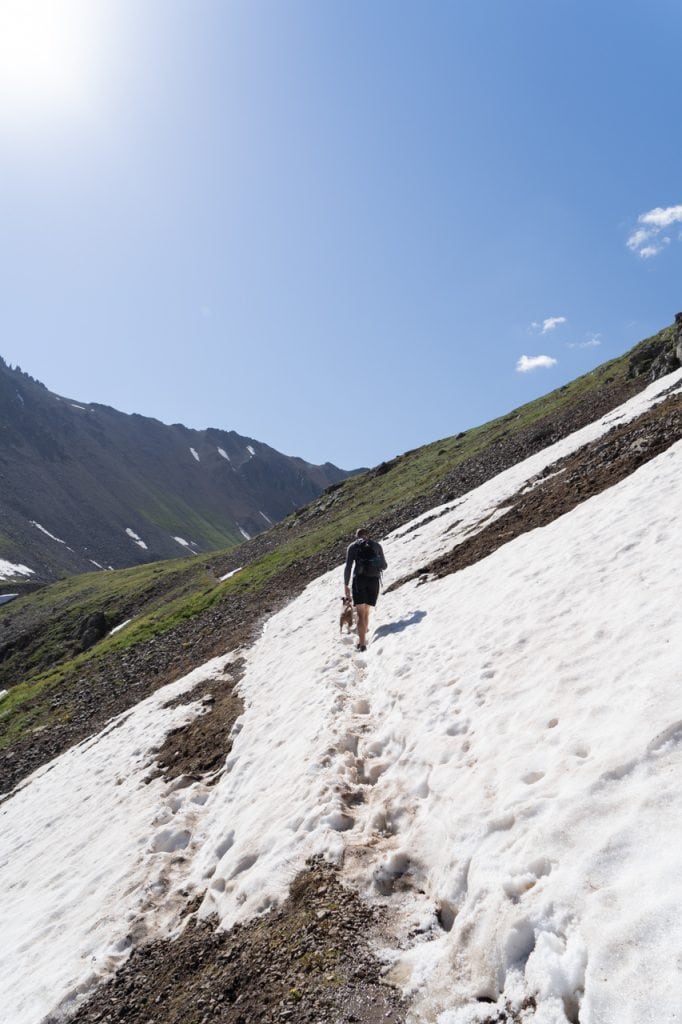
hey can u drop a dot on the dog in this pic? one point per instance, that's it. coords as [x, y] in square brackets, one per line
[346, 615]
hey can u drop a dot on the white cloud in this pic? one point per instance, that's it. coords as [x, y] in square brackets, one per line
[548, 324]
[527, 363]
[644, 240]
[637, 238]
[660, 217]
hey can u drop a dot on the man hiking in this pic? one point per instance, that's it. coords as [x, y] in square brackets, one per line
[369, 562]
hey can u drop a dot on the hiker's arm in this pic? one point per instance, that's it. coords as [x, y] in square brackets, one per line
[350, 557]
[384, 563]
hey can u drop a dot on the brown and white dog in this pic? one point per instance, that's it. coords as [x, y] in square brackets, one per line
[346, 615]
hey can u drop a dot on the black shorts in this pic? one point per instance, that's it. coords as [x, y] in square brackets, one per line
[366, 589]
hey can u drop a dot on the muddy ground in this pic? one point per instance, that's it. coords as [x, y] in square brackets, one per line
[309, 961]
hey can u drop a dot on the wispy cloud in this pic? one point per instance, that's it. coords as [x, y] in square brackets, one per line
[646, 240]
[548, 324]
[527, 363]
[592, 341]
[653, 250]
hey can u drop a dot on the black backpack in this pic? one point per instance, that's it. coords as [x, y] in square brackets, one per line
[368, 559]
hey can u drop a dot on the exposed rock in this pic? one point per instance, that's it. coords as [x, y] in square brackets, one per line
[92, 629]
[658, 357]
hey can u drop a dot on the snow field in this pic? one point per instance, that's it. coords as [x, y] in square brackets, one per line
[499, 768]
[537, 711]
[87, 847]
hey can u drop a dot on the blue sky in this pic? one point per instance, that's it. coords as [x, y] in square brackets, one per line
[335, 227]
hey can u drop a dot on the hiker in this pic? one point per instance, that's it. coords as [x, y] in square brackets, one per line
[369, 564]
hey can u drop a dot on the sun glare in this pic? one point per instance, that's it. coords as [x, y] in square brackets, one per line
[48, 55]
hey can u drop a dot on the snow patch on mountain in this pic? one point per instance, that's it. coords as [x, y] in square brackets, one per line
[195, 454]
[224, 454]
[120, 626]
[136, 538]
[227, 575]
[8, 570]
[46, 532]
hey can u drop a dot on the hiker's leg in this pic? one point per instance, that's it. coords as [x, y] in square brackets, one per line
[363, 623]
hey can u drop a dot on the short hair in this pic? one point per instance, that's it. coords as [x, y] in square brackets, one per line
[362, 532]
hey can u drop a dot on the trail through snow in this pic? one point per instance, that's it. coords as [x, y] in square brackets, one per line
[501, 767]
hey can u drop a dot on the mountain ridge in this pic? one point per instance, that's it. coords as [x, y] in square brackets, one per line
[85, 485]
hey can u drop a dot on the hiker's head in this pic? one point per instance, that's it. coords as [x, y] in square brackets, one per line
[362, 533]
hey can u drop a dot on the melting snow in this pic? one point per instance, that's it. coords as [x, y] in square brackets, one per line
[266, 518]
[140, 543]
[250, 449]
[244, 534]
[81, 830]
[514, 734]
[8, 570]
[95, 563]
[224, 454]
[74, 406]
[120, 626]
[185, 544]
[195, 453]
[228, 574]
[46, 532]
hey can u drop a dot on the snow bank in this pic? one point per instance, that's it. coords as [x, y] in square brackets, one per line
[227, 575]
[8, 570]
[46, 532]
[120, 626]
[87, 848]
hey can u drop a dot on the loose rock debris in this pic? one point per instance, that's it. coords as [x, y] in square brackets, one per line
[309, 961]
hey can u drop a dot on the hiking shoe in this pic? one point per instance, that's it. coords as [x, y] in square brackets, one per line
[361, 647]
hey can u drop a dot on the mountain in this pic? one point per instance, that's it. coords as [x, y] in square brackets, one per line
[224, 812]
[85, 486]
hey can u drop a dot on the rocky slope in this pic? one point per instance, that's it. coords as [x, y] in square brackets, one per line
[85, 486]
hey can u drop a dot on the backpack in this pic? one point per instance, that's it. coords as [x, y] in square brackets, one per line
[368, 560]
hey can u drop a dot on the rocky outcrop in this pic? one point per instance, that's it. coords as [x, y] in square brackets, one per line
[660, 356]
